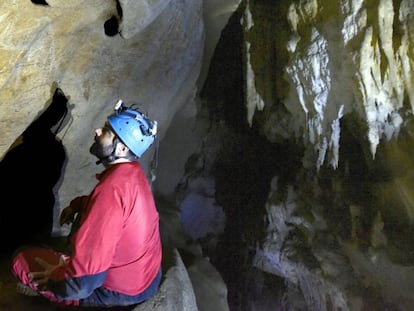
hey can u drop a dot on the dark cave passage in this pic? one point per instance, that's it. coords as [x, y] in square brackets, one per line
[242, 188]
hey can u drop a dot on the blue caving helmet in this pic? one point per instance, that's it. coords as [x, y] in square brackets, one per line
[133, 128]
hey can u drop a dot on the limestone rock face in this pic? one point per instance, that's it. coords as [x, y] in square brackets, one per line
[329, 83]
[176, 291]
[145, 52]
[327, 60]
[337, 79]
[148, 53]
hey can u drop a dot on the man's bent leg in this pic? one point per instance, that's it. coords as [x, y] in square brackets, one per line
[24, 262]
[102, 297]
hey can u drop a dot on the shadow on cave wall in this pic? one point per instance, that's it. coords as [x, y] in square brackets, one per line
[30, 170]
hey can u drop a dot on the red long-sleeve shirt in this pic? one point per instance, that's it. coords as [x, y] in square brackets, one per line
[118, 244]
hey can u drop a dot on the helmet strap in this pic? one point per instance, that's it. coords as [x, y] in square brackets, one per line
[154, 162]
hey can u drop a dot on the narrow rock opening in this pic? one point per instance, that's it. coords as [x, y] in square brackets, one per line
[111, 26]
[39, 2]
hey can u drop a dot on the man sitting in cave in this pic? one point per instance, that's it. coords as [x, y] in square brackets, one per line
[115, 256]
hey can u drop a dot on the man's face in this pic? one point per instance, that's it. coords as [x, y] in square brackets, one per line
[103, 144]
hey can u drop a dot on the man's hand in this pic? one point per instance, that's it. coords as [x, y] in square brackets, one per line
[75, 206]
[67, 216]
[40, 278]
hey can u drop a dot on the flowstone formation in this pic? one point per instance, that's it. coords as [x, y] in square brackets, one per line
[327, 60]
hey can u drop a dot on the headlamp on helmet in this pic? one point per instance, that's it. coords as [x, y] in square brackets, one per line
[133, 128]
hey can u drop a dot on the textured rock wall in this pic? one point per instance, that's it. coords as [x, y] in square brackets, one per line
[338, 77]
[154, 53]
[96, 52]
[337, 58]
[145, 52]
[335, 78]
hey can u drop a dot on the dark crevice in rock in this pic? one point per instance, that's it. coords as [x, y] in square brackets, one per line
[39, 2]
[119, 9]
[223, 89]
[111, 26]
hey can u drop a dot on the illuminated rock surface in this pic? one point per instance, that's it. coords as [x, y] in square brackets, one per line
[288, 127]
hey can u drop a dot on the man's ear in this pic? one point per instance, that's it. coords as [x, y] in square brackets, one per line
[121, 149]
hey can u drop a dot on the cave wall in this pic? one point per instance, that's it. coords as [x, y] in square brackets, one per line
[337, 78]
[313, 109]
[327, 60]
[147, 52]
[317, 95]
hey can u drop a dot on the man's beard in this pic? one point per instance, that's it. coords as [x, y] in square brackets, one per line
[101, 152]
